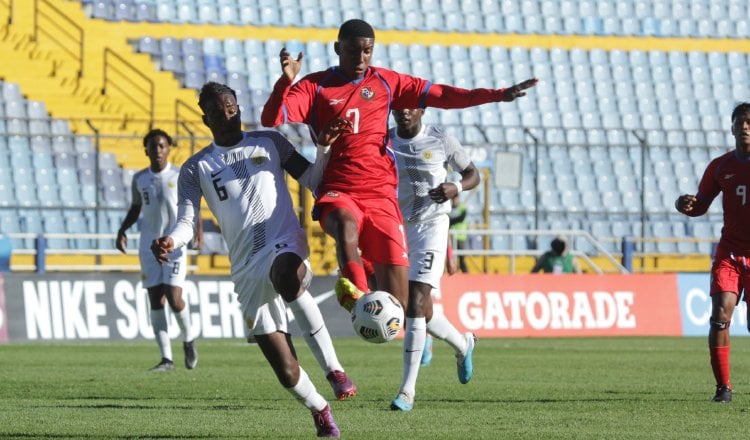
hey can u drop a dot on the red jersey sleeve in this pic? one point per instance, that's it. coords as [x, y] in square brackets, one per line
[289, 103]
[412, 92]
[443, 96]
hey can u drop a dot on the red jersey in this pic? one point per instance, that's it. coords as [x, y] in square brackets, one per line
[361, 162]
[731, 176]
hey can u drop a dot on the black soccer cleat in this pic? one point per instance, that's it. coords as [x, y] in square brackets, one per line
[191, 354]
[723, 394]
[164, 365]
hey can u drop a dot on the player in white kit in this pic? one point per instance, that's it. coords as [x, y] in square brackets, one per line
[423, 154]
[241, 177]
[154, 193]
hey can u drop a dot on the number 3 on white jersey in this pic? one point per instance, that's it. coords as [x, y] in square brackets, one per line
[355, 113]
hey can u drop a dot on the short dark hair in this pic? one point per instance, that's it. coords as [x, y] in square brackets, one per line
[211, 91]
[355, 28]
[154, 133]
[740, 109]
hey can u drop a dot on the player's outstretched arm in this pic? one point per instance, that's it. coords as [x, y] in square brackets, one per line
[448, 97]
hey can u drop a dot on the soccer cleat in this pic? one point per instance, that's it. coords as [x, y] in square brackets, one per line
[191, 354]
[325, 424]
[343, 387]
[426, 352]
[164, 365]
[723, 394]
[402, 402]
[464, 362]
[347, 293]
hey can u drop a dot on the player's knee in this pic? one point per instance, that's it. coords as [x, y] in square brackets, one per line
[719, 324]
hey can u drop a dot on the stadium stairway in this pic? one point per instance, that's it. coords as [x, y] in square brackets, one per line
[46, 72]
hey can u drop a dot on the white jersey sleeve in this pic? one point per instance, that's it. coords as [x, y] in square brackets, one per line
[188, 204]
[458, 156]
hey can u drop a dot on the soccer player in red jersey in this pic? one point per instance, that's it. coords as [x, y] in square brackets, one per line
[730, 273]
[357, 202]
[361, 175]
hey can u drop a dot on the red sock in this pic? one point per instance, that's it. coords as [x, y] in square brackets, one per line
[355, 272]
[720, 364]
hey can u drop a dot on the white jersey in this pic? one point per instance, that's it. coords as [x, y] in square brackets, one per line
[157, 195]
[244, 187]
[421, 162]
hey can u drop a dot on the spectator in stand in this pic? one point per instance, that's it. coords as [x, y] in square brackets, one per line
[558, 259]
[458, 229]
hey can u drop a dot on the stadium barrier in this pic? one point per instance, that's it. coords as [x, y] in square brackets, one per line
[112, 306]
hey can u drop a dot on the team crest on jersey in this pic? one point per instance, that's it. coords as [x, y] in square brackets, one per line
[367, 93]
[258, 160]
[427, 155]
[333, 194]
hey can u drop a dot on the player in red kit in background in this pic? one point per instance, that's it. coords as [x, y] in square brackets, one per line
[357, 202]
[728, 174]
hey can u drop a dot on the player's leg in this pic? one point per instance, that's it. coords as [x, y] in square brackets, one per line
[278, 350]
[175, 272]
[270, 329]
[723, 304]
[415, 332]
[340, 217]
[725, 285]
[157, 299]
[461, 244]
[290, 276]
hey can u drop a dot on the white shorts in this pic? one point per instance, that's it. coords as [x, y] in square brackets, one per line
[428, 242]
[171, 273]
[262, 307]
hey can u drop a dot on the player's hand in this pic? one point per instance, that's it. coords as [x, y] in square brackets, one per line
[197, 242]
[443, 192]
[685, 203]
[333, 129]
[121, 242]
[161, 247]
[518, 90]
[289, 65]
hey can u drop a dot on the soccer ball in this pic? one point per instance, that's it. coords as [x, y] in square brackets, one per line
[377, 317]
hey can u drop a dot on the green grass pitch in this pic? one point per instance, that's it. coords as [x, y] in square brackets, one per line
[577, 388]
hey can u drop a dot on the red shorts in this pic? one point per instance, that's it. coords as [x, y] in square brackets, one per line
[379, 223]
[730, 273]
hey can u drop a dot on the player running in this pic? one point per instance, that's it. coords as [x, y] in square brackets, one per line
[423, 154]
[241, 176]
[154, 192]
[728, 174]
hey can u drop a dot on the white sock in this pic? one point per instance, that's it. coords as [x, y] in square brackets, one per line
[183, 320]
[441, 328]
[306, 394]
[314, 329]
[413, 346]
[159, 323]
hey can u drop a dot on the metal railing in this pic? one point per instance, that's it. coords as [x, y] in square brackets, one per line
[121, 79]
[59, 29]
